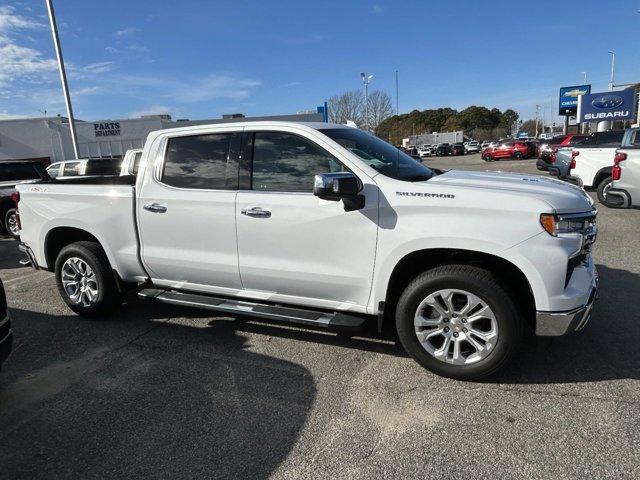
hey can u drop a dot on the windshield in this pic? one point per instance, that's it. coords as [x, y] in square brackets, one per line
[379, 155]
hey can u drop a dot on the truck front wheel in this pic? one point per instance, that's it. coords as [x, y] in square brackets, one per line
[85, 280]
[457, 321]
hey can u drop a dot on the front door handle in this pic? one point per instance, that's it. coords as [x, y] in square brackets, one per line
[256, 212]
[155, 208]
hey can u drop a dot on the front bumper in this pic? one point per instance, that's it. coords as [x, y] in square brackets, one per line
[555, 324]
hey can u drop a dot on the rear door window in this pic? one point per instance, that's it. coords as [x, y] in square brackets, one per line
[200, 162]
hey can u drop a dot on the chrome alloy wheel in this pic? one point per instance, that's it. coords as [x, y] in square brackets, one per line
[79, 282]
[12, 224]
[455, 326]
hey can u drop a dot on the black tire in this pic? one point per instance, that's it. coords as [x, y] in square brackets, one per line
[10, 222]
[479, 282]
[108, 298]
[517, 156]
[488, 158]
[603, 186]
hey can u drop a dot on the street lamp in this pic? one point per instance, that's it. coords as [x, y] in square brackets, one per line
[366, 80]
[584, 78]
[613, 66]
[537, 115]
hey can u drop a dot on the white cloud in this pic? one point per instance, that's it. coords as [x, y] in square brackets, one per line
[212, 87]
[377, 9]
[154, 110]
[23, 64]
[126, 32]
[9, 20]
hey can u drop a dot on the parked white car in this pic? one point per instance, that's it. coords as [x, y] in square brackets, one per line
[472, 147]
[425, 150]
[625, 187]
[290, 222]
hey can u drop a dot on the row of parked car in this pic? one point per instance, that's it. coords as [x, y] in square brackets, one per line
[608, 162]
[444, 149]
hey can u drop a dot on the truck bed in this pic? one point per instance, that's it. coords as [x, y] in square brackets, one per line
[104, 207]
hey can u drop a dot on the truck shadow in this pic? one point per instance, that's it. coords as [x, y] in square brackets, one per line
[606, 349]
[134, 397]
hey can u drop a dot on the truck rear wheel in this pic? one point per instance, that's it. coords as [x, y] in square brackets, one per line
[85, 280]
[457, 321]
[603, 188]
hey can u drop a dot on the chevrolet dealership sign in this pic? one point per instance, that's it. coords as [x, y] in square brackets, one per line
[598, 107]
[569, 98]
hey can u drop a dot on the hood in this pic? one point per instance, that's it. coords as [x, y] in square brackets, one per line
[561, 196]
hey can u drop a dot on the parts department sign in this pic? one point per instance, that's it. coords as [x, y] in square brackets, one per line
[106, 129]
[569, 99]
[598, 107]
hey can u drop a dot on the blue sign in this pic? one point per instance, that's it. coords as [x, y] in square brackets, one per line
[598, 107]
[523, 135]
[324, 111]
[569, 98]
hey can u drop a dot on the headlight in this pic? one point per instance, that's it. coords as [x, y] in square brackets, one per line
[563, 224]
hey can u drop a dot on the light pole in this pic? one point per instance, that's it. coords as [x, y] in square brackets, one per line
[584, 78]
[537, 115]
[613, 67]
[366, 80]
[63, 78]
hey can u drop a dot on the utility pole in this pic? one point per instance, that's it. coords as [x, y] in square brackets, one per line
[63, 78]
[366, 80]
[397, 96]
[537, 115]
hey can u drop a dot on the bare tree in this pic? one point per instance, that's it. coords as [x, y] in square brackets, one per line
[380, 108]
[348, 106]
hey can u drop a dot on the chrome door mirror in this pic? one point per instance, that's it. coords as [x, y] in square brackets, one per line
[340, 186]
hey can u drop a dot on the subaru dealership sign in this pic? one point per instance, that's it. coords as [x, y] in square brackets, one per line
[598, 107]
[569, 98]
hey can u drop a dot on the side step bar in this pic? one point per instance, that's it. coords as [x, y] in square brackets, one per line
[331, 320]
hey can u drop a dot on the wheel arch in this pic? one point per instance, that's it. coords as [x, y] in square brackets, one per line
[59, 237]
[412, 264]
[601, 175]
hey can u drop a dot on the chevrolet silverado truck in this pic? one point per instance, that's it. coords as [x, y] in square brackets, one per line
[625, 186]
[329, 226]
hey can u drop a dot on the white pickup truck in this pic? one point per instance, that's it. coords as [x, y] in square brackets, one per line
[625, 187]
[593, 161]
[324, 225]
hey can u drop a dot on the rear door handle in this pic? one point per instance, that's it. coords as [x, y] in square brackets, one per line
[256, 212]
[155, 208]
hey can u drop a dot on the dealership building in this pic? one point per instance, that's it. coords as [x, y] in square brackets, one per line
[48, 139]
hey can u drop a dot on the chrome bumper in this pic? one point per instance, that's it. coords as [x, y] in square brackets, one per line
[555, 324]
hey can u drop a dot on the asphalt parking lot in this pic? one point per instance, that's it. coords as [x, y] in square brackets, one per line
[168, 392]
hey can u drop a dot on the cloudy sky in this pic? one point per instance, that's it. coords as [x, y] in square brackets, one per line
[200, 59]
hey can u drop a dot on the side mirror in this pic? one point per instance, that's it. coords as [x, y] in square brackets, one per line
[339, 186]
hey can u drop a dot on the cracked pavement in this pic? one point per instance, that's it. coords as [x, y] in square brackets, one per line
[169, 392]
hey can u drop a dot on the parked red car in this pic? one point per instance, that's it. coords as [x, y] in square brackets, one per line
[513, 149]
